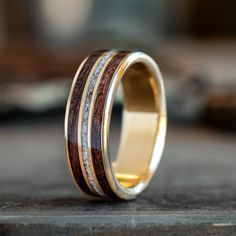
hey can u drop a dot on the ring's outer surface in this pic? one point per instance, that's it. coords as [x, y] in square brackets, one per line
[87, 122]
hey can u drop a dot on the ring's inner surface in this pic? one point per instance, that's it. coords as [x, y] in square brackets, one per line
[139, 126]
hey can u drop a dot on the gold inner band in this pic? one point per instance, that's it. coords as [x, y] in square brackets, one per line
[139, 125]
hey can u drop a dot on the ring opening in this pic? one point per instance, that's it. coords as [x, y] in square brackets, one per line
[139, 125]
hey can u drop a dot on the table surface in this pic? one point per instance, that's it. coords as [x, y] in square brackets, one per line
[193, 192]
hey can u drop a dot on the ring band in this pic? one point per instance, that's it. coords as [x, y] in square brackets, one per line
[87, 123]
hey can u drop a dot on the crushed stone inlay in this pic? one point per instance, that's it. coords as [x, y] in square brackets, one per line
[84, 125]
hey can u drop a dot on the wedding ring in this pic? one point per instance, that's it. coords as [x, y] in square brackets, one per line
[88, 116]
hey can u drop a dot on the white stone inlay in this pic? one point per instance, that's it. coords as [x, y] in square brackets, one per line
[84, 126]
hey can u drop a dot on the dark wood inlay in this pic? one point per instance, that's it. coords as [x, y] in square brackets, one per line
[97, 123]
[73, 121]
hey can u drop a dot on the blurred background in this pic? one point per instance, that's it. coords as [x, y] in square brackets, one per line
[43, 42]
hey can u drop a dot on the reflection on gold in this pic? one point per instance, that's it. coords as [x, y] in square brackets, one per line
[128, 180]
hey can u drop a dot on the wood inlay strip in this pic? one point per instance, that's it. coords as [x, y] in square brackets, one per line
[73, 114]
[84, 122]
[99, 106]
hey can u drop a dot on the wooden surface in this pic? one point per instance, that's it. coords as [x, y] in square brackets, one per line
[194, 191]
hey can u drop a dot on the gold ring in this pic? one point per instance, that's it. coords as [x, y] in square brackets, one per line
[88, 116]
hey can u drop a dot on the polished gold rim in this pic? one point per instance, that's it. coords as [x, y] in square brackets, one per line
[87, 123]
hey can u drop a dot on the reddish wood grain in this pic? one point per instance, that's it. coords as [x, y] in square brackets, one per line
[73, 121]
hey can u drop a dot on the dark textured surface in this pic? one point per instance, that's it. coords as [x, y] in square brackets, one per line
[97, 122]
[73, 117]
[193, 193]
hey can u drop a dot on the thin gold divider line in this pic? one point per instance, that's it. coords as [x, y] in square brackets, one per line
[88, 172]
[81, 159]
[91, 111]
